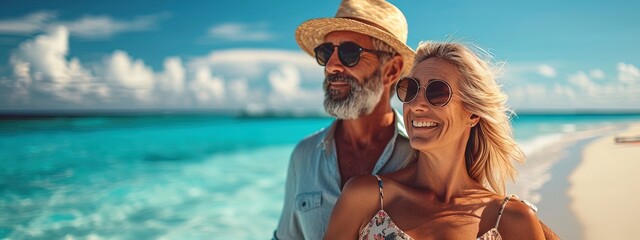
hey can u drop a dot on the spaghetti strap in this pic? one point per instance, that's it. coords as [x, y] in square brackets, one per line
[381, 192]
[504, 204]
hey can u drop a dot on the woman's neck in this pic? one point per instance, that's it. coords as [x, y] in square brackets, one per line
[444, 173]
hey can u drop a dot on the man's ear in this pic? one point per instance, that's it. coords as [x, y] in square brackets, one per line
[392, 70]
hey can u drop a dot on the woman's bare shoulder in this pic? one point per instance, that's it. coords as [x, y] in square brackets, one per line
[358, 202]
[361, 188]
[519, 221]
[517, 209]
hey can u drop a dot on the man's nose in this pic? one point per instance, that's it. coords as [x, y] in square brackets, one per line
[333, 64]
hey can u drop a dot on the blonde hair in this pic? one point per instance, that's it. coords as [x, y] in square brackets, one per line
[492, 148]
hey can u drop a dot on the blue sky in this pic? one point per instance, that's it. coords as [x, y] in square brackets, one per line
[242, 54]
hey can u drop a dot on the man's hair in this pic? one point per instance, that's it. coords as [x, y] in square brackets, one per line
[379, 45]
[491, 149]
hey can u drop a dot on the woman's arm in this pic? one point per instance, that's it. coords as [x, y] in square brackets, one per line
[358, 203]
[548, 233]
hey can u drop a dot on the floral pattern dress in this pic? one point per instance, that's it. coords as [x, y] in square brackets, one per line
[381, 227]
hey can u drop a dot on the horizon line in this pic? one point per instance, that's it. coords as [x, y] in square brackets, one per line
[29, 113]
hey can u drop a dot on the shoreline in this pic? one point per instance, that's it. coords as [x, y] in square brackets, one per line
[545, 178]
[603, 186]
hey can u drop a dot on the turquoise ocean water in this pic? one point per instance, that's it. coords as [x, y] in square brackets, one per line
[170, 176]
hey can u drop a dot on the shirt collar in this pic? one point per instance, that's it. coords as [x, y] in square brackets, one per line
[400, 127]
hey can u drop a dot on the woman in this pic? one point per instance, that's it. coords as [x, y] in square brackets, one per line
[459, 126]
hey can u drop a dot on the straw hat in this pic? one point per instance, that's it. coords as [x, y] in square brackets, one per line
[376, 18]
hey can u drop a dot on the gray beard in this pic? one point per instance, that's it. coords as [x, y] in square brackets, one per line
[360, 100]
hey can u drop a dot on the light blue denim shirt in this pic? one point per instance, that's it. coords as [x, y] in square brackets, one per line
[313, 180]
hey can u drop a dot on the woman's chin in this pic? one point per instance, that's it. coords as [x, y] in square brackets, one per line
[422, 143]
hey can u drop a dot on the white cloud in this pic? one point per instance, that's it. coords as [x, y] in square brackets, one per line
[536, 90]
[579, 91]
[517, 72]
[239, 89]
[85, 27]
[628, 73]
[240, 32]
[45, 76]
[236, 79]
[546, 70]
[40, 65]
[275, 79]
[46, 53]
[262, 55]
[285, 81]
[173, 79]
[128, 72]
[537, 85]
[256, 63]
[287, 91]
[596, 74]
[28, 24]
[525, 93]
[583, 81]
[208, 90]
[105, 26]
[540, 96]
[19, 91]
[563, 90]
[131, 74]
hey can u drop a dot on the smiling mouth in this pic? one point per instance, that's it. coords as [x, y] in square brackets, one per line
[423, 124]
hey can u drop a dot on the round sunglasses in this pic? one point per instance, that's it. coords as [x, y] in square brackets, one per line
[348, 53]
[437, 92]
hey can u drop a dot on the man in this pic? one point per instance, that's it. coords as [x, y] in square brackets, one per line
[363, 50]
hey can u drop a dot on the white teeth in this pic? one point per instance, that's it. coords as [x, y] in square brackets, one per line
[423, 124]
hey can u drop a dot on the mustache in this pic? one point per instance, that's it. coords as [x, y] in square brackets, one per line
[339, 77]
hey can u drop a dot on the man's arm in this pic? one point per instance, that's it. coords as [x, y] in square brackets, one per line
[548, 233]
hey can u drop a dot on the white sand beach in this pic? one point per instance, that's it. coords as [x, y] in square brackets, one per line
[603, 188]
[583, 182]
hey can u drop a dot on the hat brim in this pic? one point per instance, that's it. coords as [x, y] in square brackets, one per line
[311, 33]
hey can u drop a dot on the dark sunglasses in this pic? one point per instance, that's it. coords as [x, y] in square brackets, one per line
[437, 92]
[348, 53]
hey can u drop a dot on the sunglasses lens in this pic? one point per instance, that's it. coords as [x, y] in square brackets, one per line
[438, 93]
[349, 53]
[406, 89]
[323, 53]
